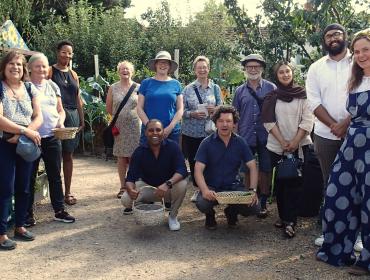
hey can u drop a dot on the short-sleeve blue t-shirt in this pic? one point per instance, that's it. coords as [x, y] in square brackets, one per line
[223, 162]
[160, 99]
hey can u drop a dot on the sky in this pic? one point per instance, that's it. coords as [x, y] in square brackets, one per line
[184, 8]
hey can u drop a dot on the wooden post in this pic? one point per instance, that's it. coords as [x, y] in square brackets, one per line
[177, 59]
[96, 63]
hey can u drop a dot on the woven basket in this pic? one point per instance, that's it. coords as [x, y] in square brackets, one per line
[148, 214]
[236, 197]
[65, 133]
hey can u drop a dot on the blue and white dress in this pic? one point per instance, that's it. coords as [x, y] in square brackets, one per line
[347, 200]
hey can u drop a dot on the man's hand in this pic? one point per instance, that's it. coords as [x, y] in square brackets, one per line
[254, 200]
[14, 139]
[339, 129]
[161, 191]
[132, 193]
[209, 195]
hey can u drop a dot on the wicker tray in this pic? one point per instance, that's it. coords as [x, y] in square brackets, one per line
[65, 133]
[236, 197]
[148, 214]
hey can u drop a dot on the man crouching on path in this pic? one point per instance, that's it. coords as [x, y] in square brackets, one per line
[217, 166]
[158, 163]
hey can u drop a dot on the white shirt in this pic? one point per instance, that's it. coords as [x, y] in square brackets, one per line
[326, 85]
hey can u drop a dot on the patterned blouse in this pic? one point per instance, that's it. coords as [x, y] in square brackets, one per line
[18, 111]
[211, 95]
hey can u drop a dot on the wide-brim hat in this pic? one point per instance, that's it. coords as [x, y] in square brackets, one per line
[27, 149]
[253, 57]
[163, 55]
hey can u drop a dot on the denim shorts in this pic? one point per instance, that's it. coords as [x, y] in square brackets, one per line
[262, 157]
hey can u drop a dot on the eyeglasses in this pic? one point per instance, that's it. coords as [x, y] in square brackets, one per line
[335, 35]
[251, 67]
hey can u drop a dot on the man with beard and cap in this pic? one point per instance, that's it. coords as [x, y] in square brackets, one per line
[158, 163]
[248, 101]
[327, 93]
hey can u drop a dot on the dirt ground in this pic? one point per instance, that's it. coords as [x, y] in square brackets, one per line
[104, 244]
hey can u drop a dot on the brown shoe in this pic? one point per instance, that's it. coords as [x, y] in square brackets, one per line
[358, 270]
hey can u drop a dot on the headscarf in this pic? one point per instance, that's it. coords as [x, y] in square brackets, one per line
[283, 93]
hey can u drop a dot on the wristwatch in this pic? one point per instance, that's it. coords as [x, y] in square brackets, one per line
[253, 190]
[22, 130]
[169, 184]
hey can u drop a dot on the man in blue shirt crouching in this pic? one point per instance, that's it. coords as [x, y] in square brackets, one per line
[217, 169]
[158, 163]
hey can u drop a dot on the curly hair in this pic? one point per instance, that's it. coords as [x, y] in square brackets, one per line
[225, 109]
[62, 43]
[9, 57]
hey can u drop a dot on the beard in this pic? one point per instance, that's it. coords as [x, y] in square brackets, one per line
[253, 77]
[341, 45]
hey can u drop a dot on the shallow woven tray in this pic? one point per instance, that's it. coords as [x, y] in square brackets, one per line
[236, 197]
[65, 133]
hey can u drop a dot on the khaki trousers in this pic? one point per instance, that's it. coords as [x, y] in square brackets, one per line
[175, 196]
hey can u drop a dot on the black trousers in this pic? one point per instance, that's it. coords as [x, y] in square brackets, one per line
[288, 192]
[51, 154]
[190, 147]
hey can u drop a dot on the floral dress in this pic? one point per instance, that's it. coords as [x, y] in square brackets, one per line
[347, 200]
[128, 122]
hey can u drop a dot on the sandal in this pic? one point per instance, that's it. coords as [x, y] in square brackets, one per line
[289, 231]
[120, 193]
[70, 199]
[279, 224]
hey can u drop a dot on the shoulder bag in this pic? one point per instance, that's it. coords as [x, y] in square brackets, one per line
[209, 125]
[108, 137]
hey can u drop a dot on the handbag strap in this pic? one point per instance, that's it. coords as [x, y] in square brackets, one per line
[123, 103]
[259, 100]
[198, 95]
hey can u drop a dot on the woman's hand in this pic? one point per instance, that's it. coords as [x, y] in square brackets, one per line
[14, 139]
[211, 109]
[33, 135]
[292, 146]
[167, 131]
[199, 115]
[284, 145]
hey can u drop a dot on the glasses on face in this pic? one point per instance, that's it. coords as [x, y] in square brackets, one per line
[334, 35]
[251, 67]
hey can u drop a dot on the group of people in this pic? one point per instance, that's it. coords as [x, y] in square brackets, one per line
[266, 122]
[35, 99]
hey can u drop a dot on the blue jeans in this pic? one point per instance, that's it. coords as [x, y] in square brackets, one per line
[15, 175]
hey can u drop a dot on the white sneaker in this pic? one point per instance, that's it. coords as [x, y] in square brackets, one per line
[319, 240]
[358, 244]
[194, 196]
[173, 223]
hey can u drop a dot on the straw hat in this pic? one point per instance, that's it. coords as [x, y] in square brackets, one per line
[163, 55]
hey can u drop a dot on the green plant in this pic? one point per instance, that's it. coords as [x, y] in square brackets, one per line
[92, 91]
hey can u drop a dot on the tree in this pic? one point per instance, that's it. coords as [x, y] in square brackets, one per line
[289, 29]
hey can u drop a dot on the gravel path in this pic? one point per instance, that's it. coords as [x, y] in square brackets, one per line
[104, 244]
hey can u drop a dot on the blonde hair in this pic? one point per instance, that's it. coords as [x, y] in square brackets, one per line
[35, 57]
[201, 58]
[128, 63]
[357, 71]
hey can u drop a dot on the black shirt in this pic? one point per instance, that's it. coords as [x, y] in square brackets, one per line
[68, 87]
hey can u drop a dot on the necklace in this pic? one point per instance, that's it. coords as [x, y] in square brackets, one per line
[65, 75]
[14, 94]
